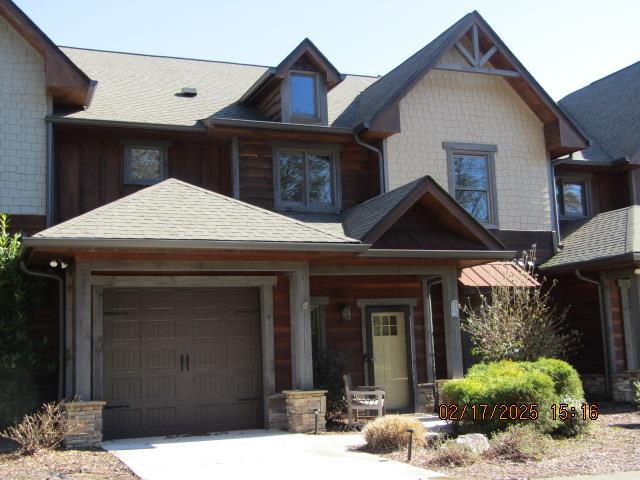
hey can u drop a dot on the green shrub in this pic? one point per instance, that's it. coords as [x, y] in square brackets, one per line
[573, 425]
[565, 378]
[501, 383]
[452, 454]
[636, 393]
[519, 443]
[328, 368]
[390, 433]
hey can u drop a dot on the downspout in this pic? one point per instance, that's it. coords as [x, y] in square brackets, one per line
[603, 326]
[557, 240]
[61, 332]
[378, 152]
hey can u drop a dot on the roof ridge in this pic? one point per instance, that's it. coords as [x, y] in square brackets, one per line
[259, 209]
[417, 181]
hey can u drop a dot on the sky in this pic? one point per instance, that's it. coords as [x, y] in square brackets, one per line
[565, 44]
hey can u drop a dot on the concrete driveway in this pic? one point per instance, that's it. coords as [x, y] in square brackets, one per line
[259, 454]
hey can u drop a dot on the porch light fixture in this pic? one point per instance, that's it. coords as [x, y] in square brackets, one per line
[53, 263]
[345, 313]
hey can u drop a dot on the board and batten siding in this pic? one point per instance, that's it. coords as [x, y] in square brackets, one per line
[23, 107]
[448, 106]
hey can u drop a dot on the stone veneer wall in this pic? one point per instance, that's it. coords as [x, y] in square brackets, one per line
[277, 412]
[622, 388]
[594, 385]
[427, 397]
[23, 106]
[450, 106]
[84, 424]
[300, 410]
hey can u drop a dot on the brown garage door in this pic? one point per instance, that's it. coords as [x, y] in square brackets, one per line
[181, 360]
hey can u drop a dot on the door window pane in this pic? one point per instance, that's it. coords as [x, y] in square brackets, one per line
[292, 177]
[303, 95]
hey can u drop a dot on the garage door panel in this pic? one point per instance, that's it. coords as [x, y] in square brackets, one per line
[215, 331]
[209, 328]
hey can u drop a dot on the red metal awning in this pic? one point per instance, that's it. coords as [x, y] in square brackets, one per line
[496, 274]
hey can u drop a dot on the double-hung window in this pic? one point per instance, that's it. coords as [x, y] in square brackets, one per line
[471, 180]
[306, 180]
[572, 197]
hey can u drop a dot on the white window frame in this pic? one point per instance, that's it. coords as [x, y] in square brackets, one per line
[145, 145]
[305, 206]
[573, 178]
[481, 150]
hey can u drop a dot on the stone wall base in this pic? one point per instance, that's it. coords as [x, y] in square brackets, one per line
[301, 406]
[84, 424]
[622, 388]
[594, 385]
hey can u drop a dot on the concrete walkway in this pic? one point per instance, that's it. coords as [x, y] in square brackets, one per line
[259, 454]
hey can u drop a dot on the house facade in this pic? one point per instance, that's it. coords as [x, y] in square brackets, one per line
[216, 225]
[596, 265]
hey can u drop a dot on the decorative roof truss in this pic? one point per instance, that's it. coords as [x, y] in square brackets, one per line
[477, 58]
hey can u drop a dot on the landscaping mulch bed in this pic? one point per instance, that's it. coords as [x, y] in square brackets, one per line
[613, 445]
[62, 465]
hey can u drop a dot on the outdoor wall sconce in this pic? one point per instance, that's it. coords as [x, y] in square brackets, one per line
[55, 263]
[345, 313]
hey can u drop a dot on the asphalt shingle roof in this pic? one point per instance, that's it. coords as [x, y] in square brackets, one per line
[175, 210]
[608, 111]
[143, 89]
[607, 235]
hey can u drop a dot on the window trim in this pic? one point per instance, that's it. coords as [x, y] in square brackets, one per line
[321, 303]
[478, 149]
[145, 144]
[574, 178]
[286, 99]
[333, 152]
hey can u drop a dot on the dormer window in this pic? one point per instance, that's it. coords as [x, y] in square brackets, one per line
[304, 95]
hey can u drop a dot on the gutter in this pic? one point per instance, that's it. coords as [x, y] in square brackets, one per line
[61, 327]
[381, 166]
[212, 122]
[471, 254]
[40, 242]
[121, 124]
[603, 327]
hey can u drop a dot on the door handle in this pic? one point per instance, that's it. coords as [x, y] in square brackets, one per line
[187, 362]
[181, 363]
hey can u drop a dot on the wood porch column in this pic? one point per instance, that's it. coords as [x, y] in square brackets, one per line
[300, 313]
[82, 332]
[453, 339]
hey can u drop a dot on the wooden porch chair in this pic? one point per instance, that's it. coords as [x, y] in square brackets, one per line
[362, 399]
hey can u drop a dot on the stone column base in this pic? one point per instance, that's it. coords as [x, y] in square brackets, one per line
[300, 410]
[427, 397]
[622, 388]
[84, 424]
[277, 412]
[594, 385]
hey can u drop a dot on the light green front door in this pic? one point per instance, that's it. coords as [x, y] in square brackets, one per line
[390, 358]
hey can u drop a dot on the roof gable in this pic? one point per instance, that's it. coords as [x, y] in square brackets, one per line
[486, 53]
[65, 81]
[175, 210]
[370, 220]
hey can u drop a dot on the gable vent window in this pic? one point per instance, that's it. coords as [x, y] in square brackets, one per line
[145, 164]
[472, 180]
[306, 180]
[304, 96]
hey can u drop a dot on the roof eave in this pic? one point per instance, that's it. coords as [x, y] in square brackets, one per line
[594, 264]
[212, 122]
[461, 254]
[143, 243]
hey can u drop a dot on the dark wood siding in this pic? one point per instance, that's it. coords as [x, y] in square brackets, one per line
[617, 325]
[282, 333]
[27, 224]
[346, 337]
[358, 172]
[520, 240]
[584, 316]
[89, 166]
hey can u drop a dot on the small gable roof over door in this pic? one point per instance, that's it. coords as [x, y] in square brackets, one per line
[373, 107]
[371, 220]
